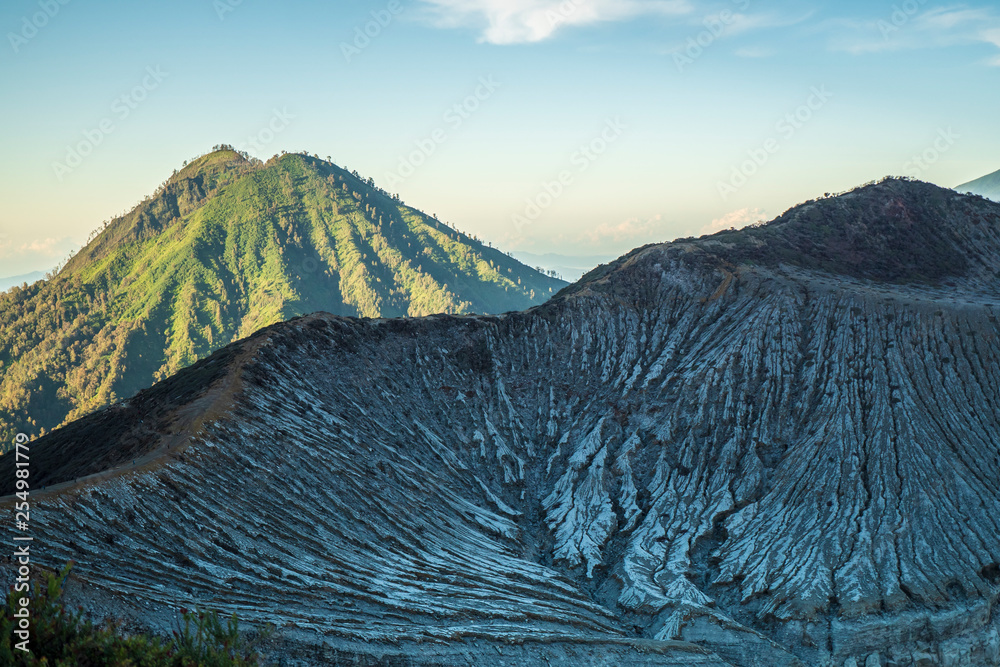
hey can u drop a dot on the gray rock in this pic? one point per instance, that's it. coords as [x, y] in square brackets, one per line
[678, 461]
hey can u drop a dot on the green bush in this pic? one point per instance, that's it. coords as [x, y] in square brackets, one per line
[61, 638]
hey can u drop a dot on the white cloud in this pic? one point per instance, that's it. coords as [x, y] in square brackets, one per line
[49, 247]
[933, 28]
[20, 255]
[749, 22]
[37, 248]
[522, 21]
[704, 31]
[735, 220]
[627, 230]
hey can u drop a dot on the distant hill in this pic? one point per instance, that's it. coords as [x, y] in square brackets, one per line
[567, 267]
[226, 246]
[7, 283]
[987, 186]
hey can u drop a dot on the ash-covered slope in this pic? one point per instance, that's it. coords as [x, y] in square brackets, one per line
[762, 462]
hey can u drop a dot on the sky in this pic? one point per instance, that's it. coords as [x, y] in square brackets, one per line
[580, 127]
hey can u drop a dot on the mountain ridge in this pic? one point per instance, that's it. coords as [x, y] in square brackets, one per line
[224, 247]
[896, 231]
[778, 464]
[986, 186]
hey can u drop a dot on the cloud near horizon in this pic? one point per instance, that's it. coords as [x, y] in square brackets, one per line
[34, 255]
[633, 229]
[735, 220]
[527, 21]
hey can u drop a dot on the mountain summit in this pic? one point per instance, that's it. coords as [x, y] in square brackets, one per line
[768, 447]
[897, 231]
[226, 246]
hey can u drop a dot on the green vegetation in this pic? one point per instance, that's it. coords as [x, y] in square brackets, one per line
[226, 246]
[61, 638]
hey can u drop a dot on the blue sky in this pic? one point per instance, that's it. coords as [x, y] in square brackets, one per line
[576, 126]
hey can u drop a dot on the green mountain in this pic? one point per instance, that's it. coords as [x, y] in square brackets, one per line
[987, 186]
[225, 247]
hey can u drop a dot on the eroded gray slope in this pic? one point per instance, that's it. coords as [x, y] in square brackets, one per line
[774, 463]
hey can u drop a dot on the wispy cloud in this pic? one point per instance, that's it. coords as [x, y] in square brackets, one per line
[50, 247]
[743, 23]
[524, 21]
[632, 229]
[727, 24]
[38, 248]
[993, 37]
[754, 52]
[735, 220]
[935, 27]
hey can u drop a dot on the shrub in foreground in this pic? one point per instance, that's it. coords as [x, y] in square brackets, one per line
[63, 638]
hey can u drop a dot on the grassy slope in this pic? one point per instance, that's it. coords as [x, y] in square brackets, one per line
[228, 247]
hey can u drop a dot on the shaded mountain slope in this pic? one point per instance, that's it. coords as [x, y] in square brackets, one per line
[896, 231]
[987, 186]
[777, 464]
[226, 247]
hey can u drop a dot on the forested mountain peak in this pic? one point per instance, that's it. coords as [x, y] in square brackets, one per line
[225, 246]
